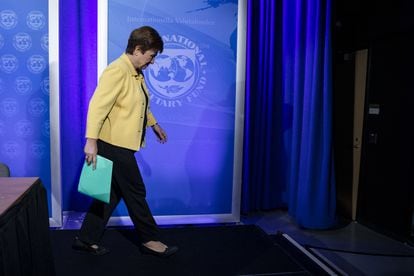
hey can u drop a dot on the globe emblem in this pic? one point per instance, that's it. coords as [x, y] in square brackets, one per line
[36, 64]
[8, 63]
[37, 149]
[179, 68]
[2, 128]
[44, 42]
[45, 85]
[1, 86]
[9, 107]
[1, 41]
[24, 128]
[35, 20]
[22, 42]
[10, 149]
[23, 85]
[173, 73]
[8, 19]
[37, 107]
[46, 128]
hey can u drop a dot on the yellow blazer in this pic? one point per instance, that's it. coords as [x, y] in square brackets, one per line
[117, 107]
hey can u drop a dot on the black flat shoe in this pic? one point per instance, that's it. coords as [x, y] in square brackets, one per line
[96, 250]
[169, 251]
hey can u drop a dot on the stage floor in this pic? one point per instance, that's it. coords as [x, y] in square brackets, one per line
[204, 250]
[351, 249]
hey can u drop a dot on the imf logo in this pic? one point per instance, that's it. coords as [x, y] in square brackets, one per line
[23, 85]
[22, 42]
[2, 128]
[37, 107]
[24, 128]
[11, 149]
[8, 63]
[178, 74]
[44, 42]
[9, 107]
[2, 87]
[35, 20]
[36, 64]
[1, 41]
[174, 73]
[46, 128]
[8, 19]
[37, 149]
[44, 84]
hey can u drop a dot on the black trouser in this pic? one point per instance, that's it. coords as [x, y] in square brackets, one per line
[127, 184]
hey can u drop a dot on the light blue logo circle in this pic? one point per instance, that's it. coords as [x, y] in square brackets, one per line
[9, 107]
[2, 86]
[11, 149]
[1, 41]
[35, 20]
[44, 42]
[24, 128]
[36, 64]
[173, 73]
[46, 128]
[38, 149]
[8, 63]
[45, 85]
[178, 73]
[23, 85]
[22, 42]
[179, 68]
[2, 128]
[37, 107]
[8, 19]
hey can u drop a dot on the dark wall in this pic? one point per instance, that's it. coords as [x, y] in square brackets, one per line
[386, 194]
[359, 22]
[386, 197]
[343, 112]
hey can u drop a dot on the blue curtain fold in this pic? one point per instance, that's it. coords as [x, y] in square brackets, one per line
[263, 110]
[78, 78]
[288, 118]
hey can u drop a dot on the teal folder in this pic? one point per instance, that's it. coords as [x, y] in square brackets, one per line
[96, 182]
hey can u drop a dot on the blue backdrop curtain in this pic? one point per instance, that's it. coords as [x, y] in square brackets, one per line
[78, 78]
[288, 152]
[288, 158]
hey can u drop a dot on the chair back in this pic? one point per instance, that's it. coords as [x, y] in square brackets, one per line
[4, 170]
